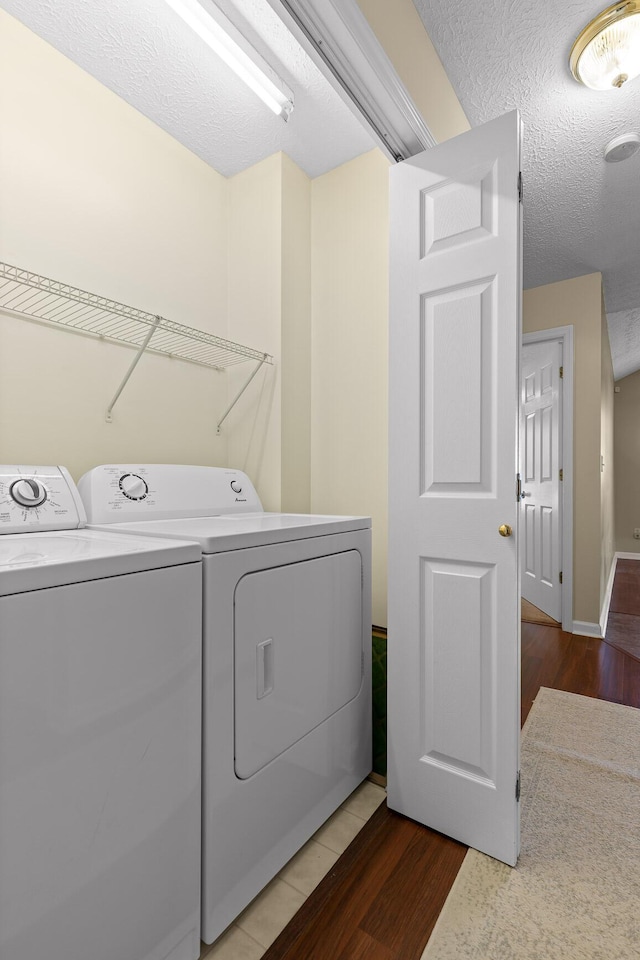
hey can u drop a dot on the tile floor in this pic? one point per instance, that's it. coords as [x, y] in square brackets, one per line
[267, 915]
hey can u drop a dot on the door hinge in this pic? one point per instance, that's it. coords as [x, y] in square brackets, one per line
[518, 488]
[518, 787]
[561, 474]
[561, 372]
[520, 188]
[561, 576]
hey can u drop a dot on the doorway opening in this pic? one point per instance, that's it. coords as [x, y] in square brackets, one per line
[546, 468]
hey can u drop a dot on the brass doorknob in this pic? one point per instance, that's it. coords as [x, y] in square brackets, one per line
[505, 530]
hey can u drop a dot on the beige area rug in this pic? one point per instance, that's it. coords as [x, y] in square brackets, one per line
[575, 893]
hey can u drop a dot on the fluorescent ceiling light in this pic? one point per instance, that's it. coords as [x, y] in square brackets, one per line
[607, 52]
[219, 33]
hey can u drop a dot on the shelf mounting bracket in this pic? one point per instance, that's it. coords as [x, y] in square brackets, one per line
[134, 364]
[240, 392]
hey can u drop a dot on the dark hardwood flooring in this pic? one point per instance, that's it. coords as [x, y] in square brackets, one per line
[625, 596]
[623, 625]
[383, 896]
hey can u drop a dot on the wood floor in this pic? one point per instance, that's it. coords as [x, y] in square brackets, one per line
[531, 614]
[623, 625]
[384, 894]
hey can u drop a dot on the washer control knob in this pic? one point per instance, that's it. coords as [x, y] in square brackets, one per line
[28, 492]
[133, 486]
[236, 486]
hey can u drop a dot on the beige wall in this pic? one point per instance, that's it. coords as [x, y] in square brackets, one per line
[296, 339]
[349, 297]
[95, 195]
[607, 475]
[627, 462]
[270, 308]
[407, 44]
[349, 347]
[254, 428]
[578, 302]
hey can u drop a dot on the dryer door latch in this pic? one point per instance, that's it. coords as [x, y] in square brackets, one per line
[264, 668]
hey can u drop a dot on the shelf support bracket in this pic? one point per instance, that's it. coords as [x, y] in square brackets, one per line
[239, 394]
[134, 364]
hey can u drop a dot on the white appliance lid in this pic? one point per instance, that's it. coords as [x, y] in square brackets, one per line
[239, 531]
[34, 561]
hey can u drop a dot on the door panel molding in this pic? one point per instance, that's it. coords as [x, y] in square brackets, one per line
[454, 615]
[565, 336]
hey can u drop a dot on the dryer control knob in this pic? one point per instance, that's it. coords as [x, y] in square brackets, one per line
[133, 486]
[28, 492]
[236, 486]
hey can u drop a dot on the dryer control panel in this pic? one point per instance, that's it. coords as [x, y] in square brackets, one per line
[36, 498]
[127, 492]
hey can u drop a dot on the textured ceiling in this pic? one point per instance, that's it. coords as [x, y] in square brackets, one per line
[144, 52]
[581, 214]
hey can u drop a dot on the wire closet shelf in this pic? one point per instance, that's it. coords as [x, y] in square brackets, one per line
[32, 296]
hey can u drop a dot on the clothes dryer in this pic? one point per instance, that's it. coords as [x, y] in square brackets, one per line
[100, 695]
[287, 662]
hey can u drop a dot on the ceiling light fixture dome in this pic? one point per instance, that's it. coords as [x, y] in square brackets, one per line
[607, 52]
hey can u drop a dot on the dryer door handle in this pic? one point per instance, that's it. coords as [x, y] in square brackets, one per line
[264, 668]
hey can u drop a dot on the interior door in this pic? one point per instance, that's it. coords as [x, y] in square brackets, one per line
[540, 452]
[454, 620]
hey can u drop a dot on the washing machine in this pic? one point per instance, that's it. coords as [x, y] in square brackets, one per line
[286, 656]
[100, 733]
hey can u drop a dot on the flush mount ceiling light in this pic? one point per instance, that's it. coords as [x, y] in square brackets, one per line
[607, 52]
[220, 34]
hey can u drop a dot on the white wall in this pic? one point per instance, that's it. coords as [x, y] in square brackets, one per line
[94, 194]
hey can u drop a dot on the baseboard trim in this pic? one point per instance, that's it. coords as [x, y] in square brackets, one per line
[606, 603]
[585, 629]
[378, 779]
[627, 556]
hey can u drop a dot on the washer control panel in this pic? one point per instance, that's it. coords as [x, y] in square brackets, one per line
[36, 498]
[121, 493]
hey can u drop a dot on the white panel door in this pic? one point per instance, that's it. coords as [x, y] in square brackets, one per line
[540, 454]
[454, 641]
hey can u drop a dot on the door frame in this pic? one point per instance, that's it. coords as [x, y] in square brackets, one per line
[565, 336]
